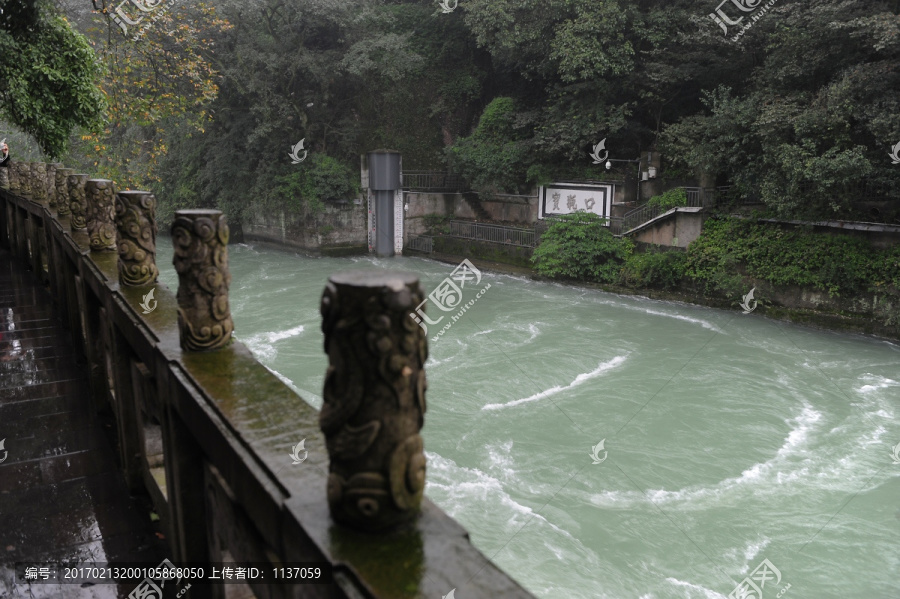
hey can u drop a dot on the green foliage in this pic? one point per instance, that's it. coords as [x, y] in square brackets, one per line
[800, 112]
[806, 140]
[495, 157]
[48, 76]
[838, 264]
[654, 268]
[580, 246]
[669, 199]
[318, 180]
[437, 224]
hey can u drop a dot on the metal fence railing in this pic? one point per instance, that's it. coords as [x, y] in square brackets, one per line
[431, 181]
[697, 197]
[421, 243]
[492, 233]
[615, 225]
[639, 216]
[701, 197]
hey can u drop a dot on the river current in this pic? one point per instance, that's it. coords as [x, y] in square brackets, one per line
[727, 438]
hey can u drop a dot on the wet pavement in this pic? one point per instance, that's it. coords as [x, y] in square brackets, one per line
[63, 498]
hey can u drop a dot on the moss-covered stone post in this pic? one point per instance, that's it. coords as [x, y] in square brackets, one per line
[39, 182]
[32, 186]
[14, 170]
[50, 180]
[136, 241]
[101, 214]
[77, 200]
[200, 239]
[62, 191]
[374, 398]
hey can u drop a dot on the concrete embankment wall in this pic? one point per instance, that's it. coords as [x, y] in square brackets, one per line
[678, 229]
[506, 208]
[340, 228]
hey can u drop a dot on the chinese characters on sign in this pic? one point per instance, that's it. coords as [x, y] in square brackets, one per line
[565, 199]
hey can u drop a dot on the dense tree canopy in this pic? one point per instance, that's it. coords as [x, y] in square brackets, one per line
[799, 109]
[48, 74]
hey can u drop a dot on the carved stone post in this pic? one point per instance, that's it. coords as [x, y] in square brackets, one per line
[101, 214]
[136, 224]
[78, 201]
[38, 181]
[51, 182]
[62, 191]
[374, 398]
[23, 175]
[200, 238]
[14, 175]
[25, 178]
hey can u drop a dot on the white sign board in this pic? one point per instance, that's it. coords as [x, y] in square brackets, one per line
[566, 198]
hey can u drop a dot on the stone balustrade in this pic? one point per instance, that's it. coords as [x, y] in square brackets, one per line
[207, 430]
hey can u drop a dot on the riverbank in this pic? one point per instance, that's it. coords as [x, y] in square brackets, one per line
[788, 304]
[772, 302]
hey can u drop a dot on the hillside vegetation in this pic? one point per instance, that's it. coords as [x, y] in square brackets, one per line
[802, 110]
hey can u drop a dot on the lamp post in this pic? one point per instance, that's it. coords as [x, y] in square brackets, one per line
[638, 182]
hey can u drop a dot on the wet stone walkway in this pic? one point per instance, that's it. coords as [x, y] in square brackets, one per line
[63, 498]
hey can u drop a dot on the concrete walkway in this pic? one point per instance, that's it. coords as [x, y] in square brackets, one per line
[62, 497]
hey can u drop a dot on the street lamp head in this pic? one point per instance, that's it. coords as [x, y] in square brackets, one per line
[608, 165]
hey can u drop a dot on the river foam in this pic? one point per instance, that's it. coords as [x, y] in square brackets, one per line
[792, 461]
[579, 380]
[263, 344]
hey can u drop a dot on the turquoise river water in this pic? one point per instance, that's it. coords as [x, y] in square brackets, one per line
[728, 439]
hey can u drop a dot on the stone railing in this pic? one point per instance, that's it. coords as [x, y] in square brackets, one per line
[208, 431]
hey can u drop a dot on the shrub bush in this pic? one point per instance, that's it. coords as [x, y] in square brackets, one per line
[654, 268]
[670, 199]
[579, 246]
[319, 179]
[496, 156]
[838, 264]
